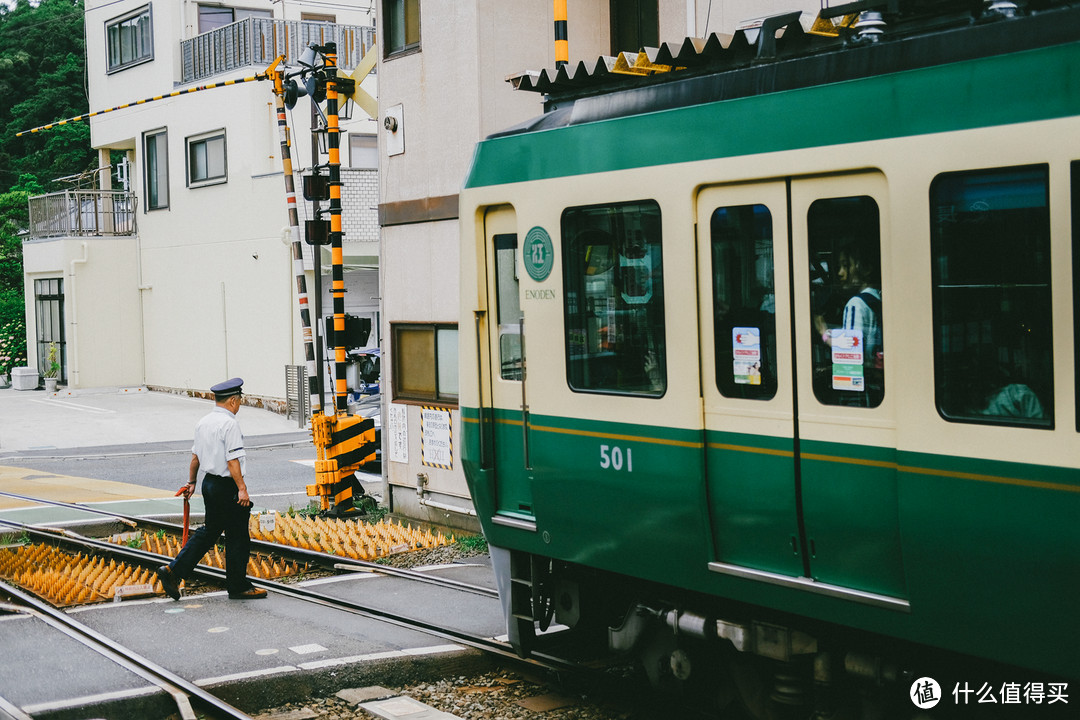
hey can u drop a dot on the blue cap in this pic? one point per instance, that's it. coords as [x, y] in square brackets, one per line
[227, 388]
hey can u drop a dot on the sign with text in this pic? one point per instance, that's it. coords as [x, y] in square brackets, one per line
[399, 433]
[436, 438]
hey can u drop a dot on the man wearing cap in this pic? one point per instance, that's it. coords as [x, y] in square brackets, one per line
[218, 451]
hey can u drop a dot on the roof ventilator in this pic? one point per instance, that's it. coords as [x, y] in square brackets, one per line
[770, 26]
[1001, 8]
[869, 28]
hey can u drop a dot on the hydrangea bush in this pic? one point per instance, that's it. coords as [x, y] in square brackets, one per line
[12, 346]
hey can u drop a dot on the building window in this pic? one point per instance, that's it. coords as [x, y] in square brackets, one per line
[990, 255]
[635, 24]
[206, 159]
[156, 153]
[129, 40]
[845, 299]
[49, 308]
[215, 16]
[425, 362]
[614, 284]
[363, 152]
[401, 25]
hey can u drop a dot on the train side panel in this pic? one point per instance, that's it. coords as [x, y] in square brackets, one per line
[972, 524]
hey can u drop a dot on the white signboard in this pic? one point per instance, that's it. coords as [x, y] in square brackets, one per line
[399, 433]
[847, 360]
[436, 438]
[746, 351]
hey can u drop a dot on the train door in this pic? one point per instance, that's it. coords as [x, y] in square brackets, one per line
[799, 434]
[508, 411]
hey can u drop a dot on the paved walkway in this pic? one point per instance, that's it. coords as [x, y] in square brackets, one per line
[32, 421]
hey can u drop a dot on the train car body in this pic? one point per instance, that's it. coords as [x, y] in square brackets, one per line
[668, 417]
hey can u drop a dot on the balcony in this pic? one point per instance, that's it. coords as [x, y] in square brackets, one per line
[257, 41]
[82, 213]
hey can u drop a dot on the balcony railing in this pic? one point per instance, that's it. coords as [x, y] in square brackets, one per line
[81, 213]
[257, 41]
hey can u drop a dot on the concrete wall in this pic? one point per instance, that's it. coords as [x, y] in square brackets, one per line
[101, 307]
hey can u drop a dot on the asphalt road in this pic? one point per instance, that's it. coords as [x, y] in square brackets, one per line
[279, 467]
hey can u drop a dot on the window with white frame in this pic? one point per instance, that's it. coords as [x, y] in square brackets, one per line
[129, 40]
[206, 159]
[215, 16]
[156, 173]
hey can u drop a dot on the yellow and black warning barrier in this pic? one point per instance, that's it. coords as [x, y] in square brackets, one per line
[343, 444]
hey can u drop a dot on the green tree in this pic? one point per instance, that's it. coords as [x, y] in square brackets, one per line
[42, 79]
[14, 219]
[42, 72]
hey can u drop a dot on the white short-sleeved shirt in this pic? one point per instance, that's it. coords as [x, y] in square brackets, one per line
[859, 316]
[217, 441]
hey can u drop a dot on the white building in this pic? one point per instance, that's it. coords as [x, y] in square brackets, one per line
[179, 272]
[442, 71]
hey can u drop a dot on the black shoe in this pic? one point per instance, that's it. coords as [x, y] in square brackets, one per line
[249, 594]
[168, 582]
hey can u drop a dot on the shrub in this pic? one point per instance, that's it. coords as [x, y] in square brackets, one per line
[12, 346]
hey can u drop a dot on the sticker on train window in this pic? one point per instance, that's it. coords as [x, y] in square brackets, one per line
[847, 359]
[746, 351]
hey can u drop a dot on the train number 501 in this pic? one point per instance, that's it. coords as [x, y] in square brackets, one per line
[616, 458]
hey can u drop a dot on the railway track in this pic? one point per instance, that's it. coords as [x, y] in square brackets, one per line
[187, 696]
[502, 652]
[285, 551]
[151, 560]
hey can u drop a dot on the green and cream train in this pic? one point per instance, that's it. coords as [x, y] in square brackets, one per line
[773, 360]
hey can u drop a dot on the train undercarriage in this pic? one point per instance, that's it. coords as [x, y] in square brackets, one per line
[735, 659]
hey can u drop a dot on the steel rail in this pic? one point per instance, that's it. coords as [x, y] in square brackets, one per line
[494, 647]
[288, 551]
[175, 686]
[11, 711]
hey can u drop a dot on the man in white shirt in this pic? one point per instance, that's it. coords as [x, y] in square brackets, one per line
[218, 451]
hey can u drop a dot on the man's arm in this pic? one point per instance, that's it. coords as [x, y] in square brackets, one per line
[193, 476]
[241, 488]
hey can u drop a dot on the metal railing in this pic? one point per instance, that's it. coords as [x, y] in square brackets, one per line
[82, 213]
[296, 394]
[257, 41]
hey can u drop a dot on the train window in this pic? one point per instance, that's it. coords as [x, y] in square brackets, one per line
[990, 254]
[1076, 282]
[508, 305]
[614, 305]
[744, 305]
[845, 301]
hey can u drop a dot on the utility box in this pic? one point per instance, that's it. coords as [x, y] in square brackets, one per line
[24, 378]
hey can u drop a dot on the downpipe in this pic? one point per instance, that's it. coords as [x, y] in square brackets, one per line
[422, 498]
[72, 344]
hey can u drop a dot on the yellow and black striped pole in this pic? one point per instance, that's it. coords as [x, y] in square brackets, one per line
[265, 75]
[562, 43]
[337, 254]
[297, 249]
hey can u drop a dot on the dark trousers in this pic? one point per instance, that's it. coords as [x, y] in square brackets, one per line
[223, 514]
